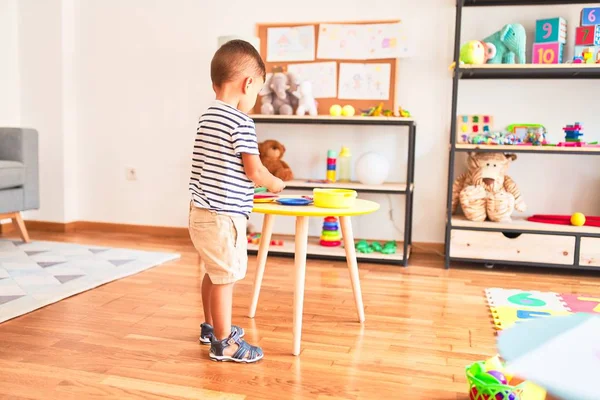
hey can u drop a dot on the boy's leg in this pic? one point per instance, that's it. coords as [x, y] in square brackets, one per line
[207, 287]
[221, 304]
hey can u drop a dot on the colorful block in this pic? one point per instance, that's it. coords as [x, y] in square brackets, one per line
[474, 124]
[551, 30]
[587, 35]
[587, 54]
[548, 53]
[590, 16]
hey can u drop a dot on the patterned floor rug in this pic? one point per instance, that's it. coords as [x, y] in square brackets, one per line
[513, 306]
[33, 275]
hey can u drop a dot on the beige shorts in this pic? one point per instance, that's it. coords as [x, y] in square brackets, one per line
[221, 242]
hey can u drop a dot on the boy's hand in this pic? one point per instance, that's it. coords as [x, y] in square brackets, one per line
[277, 186]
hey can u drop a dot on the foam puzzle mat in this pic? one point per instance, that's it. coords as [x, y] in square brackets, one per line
[512, 306]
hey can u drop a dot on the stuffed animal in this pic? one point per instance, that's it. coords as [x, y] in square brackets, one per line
[510, 42]
[307, 101]
[271, 154]
[485, 191]
[477, 52]
[279, 95]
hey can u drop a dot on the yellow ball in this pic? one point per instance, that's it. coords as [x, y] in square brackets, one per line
[578, 219]
[348, 110]
[335, 110]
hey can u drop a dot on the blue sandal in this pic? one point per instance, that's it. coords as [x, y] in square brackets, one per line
[246, 353]
[207, 332]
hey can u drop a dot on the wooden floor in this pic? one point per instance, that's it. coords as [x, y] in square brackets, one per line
[136, 338]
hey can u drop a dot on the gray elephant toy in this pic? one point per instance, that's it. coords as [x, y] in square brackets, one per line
[510, 42]
[279, 95]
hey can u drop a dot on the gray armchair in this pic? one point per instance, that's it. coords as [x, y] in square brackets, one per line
[19, 175]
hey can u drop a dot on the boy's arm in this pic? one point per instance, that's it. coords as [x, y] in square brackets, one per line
[259, 174]
[246, 144]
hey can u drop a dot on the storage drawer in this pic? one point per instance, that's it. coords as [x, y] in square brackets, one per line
[589, 252]
[526, 247]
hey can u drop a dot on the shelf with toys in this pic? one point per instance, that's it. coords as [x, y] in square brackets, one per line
[485, 231]
[489, 3]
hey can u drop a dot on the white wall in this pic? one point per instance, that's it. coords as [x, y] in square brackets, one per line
[136, 78]
[10, 107]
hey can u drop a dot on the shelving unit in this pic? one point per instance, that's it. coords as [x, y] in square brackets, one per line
[394, 188]
[519, 242]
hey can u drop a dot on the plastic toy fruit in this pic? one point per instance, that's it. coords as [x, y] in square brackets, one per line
[348, 111]
[335, 110]
[498, 375]
[578, 219]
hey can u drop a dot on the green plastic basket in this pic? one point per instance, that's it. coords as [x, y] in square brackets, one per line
[479, 390]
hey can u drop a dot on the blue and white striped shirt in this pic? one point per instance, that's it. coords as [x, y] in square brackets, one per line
[218, 181]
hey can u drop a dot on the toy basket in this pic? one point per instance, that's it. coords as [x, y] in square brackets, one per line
[479, 390]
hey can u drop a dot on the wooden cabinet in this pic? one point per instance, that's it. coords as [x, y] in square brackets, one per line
[589, 253]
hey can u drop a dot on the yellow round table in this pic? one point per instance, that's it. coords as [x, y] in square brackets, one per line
[302, 214]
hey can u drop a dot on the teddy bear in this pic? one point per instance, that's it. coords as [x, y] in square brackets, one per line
[278, 95]
[271, 154]
[485, 191]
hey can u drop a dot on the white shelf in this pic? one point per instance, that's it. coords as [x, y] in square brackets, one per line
[314, 248]
[526, 149]
[328, 119]
[391, 187]
[521, 224]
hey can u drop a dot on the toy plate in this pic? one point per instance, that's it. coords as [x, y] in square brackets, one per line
[264, 198]
[294, 202]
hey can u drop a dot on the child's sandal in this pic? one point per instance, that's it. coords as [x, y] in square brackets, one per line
[207, 332]
[245, 353]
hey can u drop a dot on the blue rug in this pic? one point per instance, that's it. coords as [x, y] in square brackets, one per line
[33, 275]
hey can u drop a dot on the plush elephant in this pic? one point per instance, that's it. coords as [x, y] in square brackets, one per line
[510, 43]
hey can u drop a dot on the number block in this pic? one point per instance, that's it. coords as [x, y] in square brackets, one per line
[590, 16]
[551, 30]
[548, 53]
[587, 35]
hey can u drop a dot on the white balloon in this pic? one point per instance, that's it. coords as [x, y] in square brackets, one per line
[372, 169]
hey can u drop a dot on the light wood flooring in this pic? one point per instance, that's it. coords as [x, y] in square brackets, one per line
[136, 338]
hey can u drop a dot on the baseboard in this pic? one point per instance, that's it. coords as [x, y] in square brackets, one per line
[6, 227]
[90, 226]
[81, 226]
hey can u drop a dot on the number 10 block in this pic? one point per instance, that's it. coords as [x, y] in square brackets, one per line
[548, 53]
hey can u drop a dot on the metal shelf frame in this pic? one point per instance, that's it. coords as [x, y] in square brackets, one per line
[528, 72]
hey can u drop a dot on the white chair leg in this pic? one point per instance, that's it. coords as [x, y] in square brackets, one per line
[346, 223]
[300, 265]
[263, 251]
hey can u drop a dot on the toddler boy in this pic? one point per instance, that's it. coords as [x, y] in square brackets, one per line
[225, 169]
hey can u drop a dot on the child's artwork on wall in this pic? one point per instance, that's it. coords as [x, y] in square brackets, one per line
[322, 76]
[295, 43]
[386, 41]
[362, 41]
[364, 81]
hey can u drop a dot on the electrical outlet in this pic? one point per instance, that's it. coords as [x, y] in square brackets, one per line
[131, 174]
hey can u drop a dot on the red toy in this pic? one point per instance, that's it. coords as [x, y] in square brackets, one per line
[562, 219]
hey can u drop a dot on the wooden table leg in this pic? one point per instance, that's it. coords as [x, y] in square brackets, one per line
[300, 265]
[346, 223]
[263, 251]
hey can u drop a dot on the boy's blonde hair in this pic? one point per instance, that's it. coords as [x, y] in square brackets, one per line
[233, 59]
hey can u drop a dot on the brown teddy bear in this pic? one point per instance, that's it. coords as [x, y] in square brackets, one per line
[271, 154]
[485, 190]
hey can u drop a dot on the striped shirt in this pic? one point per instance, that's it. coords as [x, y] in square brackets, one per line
[218, 181]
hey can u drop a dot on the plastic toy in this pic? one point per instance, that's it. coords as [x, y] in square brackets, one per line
[334, 198]
[510, 43]
[364, 247]
[377, 111]
[345, 164]
[529, 133]
[293, 201]
[306, 100]
[475, 124]
[331, 166]
[335, 110]
[254, 238]
[348, 111]
[573, 132]
[498, 383]
[330, 235]
[403, 113]
[551, 30]
[578, 219]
